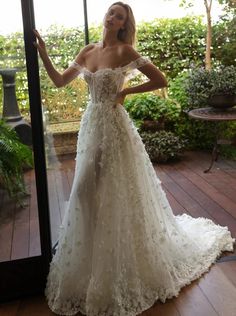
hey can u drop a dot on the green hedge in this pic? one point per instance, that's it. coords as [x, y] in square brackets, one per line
[172, 44]
[168, 45]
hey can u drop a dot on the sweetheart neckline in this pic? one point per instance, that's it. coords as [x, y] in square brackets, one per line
[101, 69]
[109, 68]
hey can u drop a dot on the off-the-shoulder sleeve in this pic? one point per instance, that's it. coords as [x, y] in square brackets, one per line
[131, 70]
[137, 63]
[78, 67]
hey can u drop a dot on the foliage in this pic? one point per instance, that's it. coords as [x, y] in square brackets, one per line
[223, 80]
[229, 4]
[149, 106]
[13, 157]
[67, 103]
[177, 89]
[163, 145]
[223, 32]
[173, 44]
[224, 40]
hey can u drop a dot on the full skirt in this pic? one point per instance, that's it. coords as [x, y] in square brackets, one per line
[120, 246]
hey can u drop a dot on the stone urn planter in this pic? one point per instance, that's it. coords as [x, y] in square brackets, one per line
[222, 101]
[11, 112]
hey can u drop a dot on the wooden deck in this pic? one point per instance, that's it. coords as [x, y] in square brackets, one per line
[188, 189]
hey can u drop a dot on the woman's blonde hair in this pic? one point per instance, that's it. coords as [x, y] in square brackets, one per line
[128, 34]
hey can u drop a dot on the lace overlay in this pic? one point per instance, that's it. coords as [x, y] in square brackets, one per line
[120, 246]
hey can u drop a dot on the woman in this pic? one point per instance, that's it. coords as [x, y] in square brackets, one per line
[120, 247]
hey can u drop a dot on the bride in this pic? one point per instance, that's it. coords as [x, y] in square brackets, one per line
[120, 246]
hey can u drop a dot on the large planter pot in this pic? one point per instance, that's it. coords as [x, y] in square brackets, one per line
[222, 101]
[153, 126]
[61, 138]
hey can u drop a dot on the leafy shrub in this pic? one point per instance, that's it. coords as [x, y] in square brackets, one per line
[177, 90]
[163, 145]
[149, 106]
[224, 40]
[14, 156]
[66, 103]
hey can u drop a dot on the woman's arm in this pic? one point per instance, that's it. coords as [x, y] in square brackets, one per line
[156, 78]
[59, 79]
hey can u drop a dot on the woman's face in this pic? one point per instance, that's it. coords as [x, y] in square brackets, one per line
[115, 18]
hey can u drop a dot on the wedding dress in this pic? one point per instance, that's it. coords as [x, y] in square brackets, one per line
[120, 246]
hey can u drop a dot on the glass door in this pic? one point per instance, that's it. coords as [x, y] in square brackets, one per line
[25, 241]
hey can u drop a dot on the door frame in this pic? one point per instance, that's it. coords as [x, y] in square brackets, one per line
[27, 276]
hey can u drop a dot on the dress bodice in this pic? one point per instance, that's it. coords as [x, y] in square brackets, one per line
[104, 84]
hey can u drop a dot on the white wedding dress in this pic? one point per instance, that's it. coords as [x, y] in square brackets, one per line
[120, 246]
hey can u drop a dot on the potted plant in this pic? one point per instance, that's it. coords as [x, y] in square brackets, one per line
[152, 112]
[215, 87]
[223, 90]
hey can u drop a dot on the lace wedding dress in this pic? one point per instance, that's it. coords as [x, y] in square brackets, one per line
[120, 246]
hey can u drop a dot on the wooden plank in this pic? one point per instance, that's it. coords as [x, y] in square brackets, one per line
[70, 176]
[229, 270]
[160, 309]
[34, 306]
[20, 241]
[218, 178]
[219, 170]
[21, 237]
[205, 195]
[2, 192]
[62, 189]
[231, 163]
[219, 291]
[55, 217]
[6, 227]
[177, 208]
[10, 308]
[184, 198]
[191, 301]
[205, 158]
[34, 245]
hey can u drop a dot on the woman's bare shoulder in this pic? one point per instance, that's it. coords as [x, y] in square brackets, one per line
[82, 54]
[129, 52]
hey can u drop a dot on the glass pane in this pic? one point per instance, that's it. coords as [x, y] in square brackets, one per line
[19, 225]
[63, 33]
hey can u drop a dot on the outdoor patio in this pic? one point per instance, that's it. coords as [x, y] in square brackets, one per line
[188, 189]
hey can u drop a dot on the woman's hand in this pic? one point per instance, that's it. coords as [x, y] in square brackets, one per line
[40, 44]
[120, 97]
